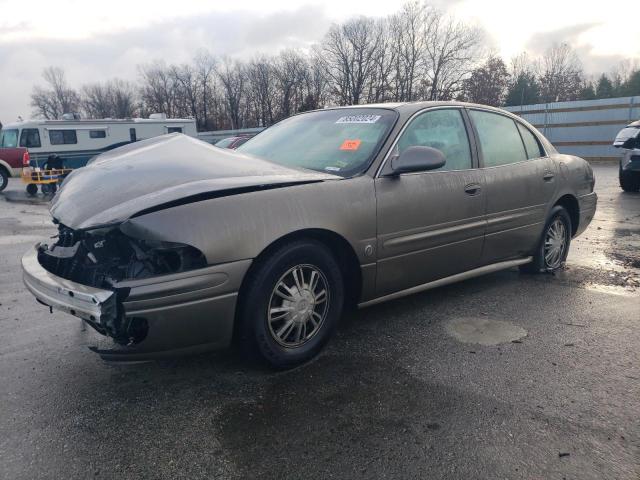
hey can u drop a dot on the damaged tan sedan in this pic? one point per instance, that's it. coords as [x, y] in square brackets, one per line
[173, 246]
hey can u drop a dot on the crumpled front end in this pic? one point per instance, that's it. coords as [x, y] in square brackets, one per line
[152, 298]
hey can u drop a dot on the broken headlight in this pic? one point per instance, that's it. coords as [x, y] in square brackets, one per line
[104, 257]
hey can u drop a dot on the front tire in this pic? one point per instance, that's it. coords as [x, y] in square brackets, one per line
[629, 181]
[291, 303]
[551, 252]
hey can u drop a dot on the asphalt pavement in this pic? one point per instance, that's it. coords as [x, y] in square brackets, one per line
[503, 376]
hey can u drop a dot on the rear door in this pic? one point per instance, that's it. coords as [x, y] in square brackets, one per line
[430, 224]
[520, 183]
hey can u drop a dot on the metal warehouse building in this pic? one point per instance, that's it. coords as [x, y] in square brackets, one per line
[585, 128]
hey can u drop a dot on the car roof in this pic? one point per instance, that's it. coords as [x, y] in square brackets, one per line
[412, 107]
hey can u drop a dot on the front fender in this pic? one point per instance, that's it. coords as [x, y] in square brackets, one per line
[13, 172]
[241, 226]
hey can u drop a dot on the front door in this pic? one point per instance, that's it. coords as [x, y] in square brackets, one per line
[430, 224]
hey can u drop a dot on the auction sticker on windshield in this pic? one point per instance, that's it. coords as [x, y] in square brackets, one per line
[350, 145]
[359, 119]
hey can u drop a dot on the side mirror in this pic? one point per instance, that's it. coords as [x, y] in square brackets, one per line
[418, 159]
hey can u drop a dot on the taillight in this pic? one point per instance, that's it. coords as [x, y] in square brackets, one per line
[25, 159]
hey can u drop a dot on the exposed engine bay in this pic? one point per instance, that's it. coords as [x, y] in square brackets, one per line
[102, 258]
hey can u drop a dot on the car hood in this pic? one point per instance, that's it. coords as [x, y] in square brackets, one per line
[162, 172]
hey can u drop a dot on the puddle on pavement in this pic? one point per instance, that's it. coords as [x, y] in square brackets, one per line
[605, 259]
[484, 331]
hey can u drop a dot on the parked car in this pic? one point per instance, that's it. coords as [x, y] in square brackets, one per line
[629, 140]
[232, 142]
[352, 205]
[12, 157]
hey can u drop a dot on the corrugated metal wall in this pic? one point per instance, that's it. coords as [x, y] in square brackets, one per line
[586, 127]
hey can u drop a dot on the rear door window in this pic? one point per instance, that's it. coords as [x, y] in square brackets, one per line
[63, 137]
[500, 141]
[30, 138]
[531, 144]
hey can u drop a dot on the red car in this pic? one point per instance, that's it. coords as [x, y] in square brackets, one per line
[231, 142]
[12, 157]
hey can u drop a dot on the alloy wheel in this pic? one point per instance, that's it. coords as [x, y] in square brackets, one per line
[298, 305]
[555, 244]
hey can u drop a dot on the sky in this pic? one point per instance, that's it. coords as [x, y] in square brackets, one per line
[95, 41]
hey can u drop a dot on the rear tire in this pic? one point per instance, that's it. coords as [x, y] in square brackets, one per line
[4, 179]
[554, 243]
[291, 304]
[629, 181]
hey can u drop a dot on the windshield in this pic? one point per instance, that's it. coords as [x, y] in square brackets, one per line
[341, 141]
[8, 138]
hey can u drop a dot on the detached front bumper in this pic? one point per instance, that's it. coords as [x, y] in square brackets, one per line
[184, 313]
[88, 303]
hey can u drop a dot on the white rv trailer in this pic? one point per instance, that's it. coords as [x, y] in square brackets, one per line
[77, 141]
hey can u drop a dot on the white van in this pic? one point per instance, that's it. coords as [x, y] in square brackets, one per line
[77, 141]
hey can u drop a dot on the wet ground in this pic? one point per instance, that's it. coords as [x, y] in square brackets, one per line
[504, 376]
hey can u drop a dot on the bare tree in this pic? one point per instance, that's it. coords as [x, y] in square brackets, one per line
[186, 88]
[350, 53]
[96, 101]
[405, 32]
[451, 49]
[57, 99]
[113, 99]
[560, 74]
[158, 89]
[379, 87]
[205, 67]
[316, 82]
[289, 72]
[123, 98]
[262, 89]
[232, 77]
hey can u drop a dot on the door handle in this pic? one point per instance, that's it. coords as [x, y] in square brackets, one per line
[548, 176]
[472, 189]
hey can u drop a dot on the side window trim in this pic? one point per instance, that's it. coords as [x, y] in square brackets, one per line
[470, 139]
[473, 140]
[541, 148]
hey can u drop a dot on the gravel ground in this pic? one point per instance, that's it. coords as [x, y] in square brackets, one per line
[504, 376]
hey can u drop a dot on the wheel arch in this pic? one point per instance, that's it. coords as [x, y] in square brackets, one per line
[570, 203]
[337, 244]
[6, 167]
